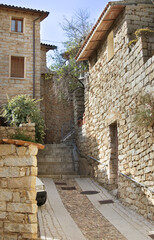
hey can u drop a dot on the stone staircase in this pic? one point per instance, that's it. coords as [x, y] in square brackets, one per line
[56, 160]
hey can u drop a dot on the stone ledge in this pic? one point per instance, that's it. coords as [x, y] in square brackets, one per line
[21, 143]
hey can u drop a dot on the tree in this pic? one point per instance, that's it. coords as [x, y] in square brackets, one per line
[64, 64]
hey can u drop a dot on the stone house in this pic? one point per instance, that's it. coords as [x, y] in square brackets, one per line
[23, 66]
[22, 57]
[118, 76]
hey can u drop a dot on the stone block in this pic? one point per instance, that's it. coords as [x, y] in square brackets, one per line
[30, 236]
[31, 195]
[7, 149]
[6, 195]
[10, 236]
[16, 197]
[1, 224]
[32, 150]
[6, 172]
[21, 207]
[3, 183]
[34, 171]
[23, 183]
[20, 228]
[2, 206]
[16, 217]
[32, 218]
[20, 161]
[2, 215]
[21, 151]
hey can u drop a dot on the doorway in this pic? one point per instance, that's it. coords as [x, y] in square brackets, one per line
[113, 165]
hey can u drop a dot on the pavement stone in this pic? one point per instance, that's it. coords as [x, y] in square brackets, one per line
[69, 215]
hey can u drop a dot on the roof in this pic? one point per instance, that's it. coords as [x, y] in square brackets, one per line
[100, 29]
[103, 25]
[48, 47]
[42, 13]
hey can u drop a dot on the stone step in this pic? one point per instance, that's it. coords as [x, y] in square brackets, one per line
[53, 160]
[57, 151]
[55, 168]
[60, 176]
[56, 159]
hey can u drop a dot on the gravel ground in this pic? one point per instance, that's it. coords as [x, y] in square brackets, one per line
[92, 224]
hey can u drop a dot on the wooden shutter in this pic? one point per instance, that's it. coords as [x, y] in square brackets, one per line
[17, 67]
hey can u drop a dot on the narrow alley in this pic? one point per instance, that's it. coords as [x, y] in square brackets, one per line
[79, 208]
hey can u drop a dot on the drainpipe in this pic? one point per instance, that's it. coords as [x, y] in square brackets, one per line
[34, 54]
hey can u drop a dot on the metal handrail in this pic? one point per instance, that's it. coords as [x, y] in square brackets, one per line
[133, 180]
[74, 155]
[97, 161]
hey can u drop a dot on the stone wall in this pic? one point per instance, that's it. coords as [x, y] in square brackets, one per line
[80, 131]
[18, 44]
[18, 208]
[58, 114]
[27, 128]
[111, 95]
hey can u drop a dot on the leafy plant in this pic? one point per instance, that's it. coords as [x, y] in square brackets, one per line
[23, 109]
[21, 135]
[138, 33]
[144, 115]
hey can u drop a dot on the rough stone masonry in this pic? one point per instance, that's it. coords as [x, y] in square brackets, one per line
[18, 208]
[111, 95]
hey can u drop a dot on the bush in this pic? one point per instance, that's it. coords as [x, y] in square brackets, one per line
[23, 109]
[21, 135]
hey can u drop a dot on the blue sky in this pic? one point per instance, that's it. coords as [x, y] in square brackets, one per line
[50, 29]
[51, 32]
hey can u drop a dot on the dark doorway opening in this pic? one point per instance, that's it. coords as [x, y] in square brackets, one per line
[113, 165]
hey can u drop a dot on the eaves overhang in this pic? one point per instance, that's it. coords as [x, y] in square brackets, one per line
[100, 30]
[43, 14]
[47, 47]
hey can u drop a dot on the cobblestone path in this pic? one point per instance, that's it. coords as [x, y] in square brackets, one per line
[92, 224]
[80, 219]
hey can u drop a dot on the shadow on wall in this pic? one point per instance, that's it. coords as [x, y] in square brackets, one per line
[131, 194]
[57, 113]
[89, 161]
[135, 196]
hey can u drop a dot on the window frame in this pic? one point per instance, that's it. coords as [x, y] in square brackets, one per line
[24, 67]
[16, 19]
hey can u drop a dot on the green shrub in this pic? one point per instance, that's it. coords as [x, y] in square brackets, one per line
[23, 109]
[21, 135]
[137, 34]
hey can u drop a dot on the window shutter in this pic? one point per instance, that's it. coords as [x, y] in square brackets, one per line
[17, 67]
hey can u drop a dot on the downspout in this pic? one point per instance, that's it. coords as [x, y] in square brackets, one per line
[34, 54]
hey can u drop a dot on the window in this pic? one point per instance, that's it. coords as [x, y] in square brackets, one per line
[17, 67]
[17, 25]
[110, 44]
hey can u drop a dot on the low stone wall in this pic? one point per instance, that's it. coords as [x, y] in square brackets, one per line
[137, 197]
[18, 208]
[27, 128]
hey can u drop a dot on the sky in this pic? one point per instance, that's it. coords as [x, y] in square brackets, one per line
[51, 32]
